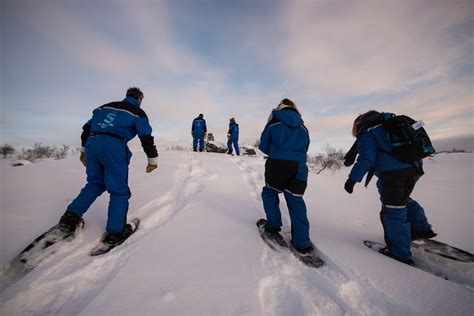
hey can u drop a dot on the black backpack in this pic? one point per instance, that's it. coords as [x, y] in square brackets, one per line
[408, 140]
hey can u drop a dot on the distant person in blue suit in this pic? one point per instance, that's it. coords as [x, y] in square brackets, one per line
[233, 137]
[403, 219]
[199, 131]
[106, 157]
[285, 140]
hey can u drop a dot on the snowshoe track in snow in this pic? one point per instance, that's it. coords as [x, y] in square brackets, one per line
[68, 281]
[291, 288]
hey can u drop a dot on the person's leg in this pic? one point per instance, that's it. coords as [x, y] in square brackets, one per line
[229, 146]
[416, 217]
[394, 196]
[195, 142]
[271, 205]
[95, 185]
[297, 208]
[299, 221]
[116, 182]
[420, 228]
[236, 146]
[201, 142]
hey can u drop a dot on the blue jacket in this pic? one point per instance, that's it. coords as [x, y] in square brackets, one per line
[285, 137]
[233, 130]
[123, 120]
[199, 126]
[374, 148]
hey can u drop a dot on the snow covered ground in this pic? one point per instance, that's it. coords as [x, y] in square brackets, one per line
[198, 252]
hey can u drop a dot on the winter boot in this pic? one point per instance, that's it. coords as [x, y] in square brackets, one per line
[425, 234]
[385, 251]
[308, 251]
[69, 222]
[118, 238]
[274, 235]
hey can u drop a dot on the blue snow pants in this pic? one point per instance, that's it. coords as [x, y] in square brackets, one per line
[198, 139]
[289, 178]
[235, 142]
[400, 214]
[107, 170]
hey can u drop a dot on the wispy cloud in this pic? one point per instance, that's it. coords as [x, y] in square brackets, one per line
[335, 58]
[363, 48]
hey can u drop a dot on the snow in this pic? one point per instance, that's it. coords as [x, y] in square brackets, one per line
[197, 251]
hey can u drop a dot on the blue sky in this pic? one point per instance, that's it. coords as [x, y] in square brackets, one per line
[335, 59]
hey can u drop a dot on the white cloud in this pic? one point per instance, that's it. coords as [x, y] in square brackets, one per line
[343, 49]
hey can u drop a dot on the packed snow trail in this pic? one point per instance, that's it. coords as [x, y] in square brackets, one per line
[289, 287]
[70, 279]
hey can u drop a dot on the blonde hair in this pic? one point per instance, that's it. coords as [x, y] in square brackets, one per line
[359, 121]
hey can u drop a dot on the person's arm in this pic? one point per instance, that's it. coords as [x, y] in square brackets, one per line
[144, 131]
[367, 149]
[265, 139]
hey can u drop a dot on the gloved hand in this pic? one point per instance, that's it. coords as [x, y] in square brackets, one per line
[349, 186]
[150, 168]
[82, 158]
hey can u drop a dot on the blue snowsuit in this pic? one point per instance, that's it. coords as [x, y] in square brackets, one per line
[400, 214]
[198, 129]
[285, 140]
[104, 139]
[233, 138]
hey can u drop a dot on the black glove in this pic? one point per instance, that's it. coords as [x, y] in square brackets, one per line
[351, 155]
[349, 186]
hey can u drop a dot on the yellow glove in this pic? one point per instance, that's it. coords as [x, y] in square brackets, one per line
[82, 158]
[150, 168]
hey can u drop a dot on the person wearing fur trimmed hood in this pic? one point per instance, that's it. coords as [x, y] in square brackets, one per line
[233, 137]
[285, 140]
[403, 219]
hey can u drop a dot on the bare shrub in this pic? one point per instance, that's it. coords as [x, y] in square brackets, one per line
[40, 151]
[61, 153]
[332, 159]
[7, 151]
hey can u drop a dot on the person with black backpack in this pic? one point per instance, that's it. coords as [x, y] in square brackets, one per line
[392, 147]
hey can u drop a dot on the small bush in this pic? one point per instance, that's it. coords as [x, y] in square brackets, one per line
[331, 159]
[61, 153]
[40, 151]
[7, 151]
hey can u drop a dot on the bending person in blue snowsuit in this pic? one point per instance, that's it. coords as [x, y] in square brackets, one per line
[285, 140]
[198, 131]
[233, 137]
[403, 219]
[106, 157]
